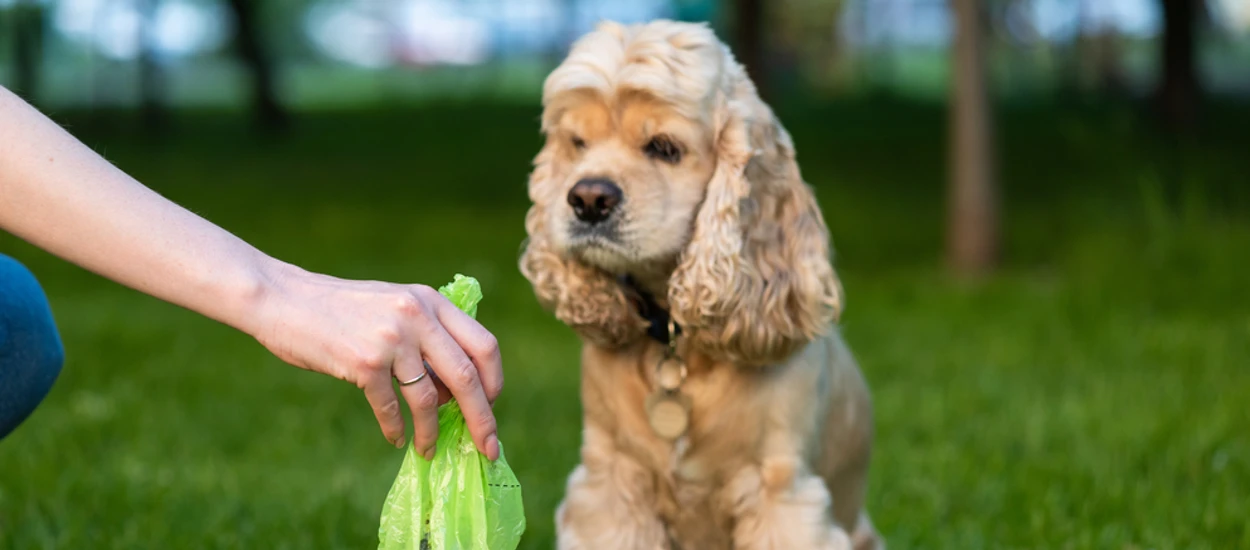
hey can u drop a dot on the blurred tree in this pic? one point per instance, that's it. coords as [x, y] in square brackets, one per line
[749, 42]
[1095, 55]
[807, 31]
[151, 77]
[1108, 53]
[28, 31]
[268, 111]
[972, 232]
[1179, 89]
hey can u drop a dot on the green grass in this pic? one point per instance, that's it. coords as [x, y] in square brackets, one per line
[1093, 394]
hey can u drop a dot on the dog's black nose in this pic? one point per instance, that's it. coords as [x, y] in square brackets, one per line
[594, 199]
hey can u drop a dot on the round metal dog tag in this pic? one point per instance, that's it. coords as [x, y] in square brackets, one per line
[670, 373]
[669, 415]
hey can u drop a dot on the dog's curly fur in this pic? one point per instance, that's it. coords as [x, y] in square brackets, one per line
[731, 240]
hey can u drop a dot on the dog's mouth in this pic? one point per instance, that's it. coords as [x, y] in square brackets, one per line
[586, 235]
[601, 245]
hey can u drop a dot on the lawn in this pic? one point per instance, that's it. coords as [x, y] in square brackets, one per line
[1092, 394]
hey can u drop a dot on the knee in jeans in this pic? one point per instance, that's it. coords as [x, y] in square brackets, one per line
[28, 332]
[54, 358]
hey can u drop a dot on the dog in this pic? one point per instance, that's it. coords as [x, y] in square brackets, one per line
[671, 229]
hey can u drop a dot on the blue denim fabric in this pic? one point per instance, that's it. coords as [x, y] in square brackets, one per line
[31, 353]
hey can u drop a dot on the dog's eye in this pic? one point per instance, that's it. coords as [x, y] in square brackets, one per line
[663, 148]
[578, 143]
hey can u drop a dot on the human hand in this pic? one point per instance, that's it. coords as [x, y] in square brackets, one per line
[368, 332]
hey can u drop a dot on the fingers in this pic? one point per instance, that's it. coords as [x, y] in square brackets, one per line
[423, 400]
[444, 394]
[480, 345]
[385, 405]
[460, 374]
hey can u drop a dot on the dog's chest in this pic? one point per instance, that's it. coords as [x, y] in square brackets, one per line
[687, 473]
[717, 429]
[692, 470]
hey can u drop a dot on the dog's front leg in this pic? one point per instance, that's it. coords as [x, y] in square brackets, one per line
[777, 506]
[609, 503]
[598, 514]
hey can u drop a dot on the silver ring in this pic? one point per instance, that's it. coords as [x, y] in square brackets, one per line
[414, 380]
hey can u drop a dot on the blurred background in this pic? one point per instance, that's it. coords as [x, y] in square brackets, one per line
[1041, 210]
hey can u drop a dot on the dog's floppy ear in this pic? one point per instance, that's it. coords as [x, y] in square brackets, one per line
[756, 282]
[583, 297]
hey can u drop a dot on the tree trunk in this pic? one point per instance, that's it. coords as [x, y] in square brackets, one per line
[151, 79]
[27, 48]
[1179, 89]
[972, 233]
[749, 41]
[268, 112]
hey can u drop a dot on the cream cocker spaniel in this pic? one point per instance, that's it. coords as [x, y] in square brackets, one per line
[671, 229]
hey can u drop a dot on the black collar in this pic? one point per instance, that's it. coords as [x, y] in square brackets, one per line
[657, 317]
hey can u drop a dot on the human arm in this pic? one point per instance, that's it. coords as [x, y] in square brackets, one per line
[59, 195]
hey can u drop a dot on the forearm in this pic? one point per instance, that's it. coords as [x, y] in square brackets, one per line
[59, 195]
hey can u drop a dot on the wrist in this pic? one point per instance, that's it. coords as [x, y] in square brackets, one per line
[252, 298]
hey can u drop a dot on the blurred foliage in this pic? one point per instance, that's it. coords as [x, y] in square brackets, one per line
[810, 47]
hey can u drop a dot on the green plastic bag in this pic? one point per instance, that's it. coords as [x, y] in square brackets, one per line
[459, 500]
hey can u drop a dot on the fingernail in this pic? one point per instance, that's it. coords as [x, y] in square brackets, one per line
[429, 453]
[399, 442]
[492, 447]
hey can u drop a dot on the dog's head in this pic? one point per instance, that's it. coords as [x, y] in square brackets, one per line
[661, 162]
